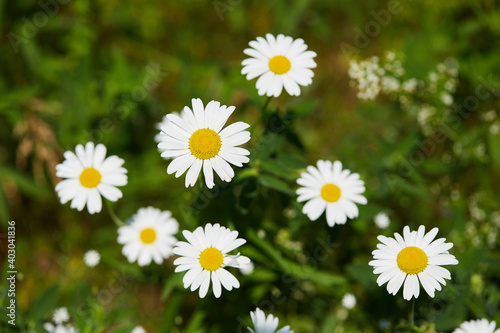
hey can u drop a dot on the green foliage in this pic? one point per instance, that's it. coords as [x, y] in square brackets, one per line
[108, 71]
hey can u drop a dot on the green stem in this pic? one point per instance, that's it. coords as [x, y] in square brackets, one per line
[412, 313]
[266, 104]
[260, 117]
[114, 217]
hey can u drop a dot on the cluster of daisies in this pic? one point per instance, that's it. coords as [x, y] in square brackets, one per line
[197, 141]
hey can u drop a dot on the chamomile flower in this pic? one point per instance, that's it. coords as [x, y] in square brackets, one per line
[414, 259]
[138, 329]
[205, 255]
[196, 140]
[330, 188]
[280, 62]
[349, 301]
[60, 315]
[149, 236]
[382, 220]
[91, 258]
[266, 325]
[477, 326]
[89, 174]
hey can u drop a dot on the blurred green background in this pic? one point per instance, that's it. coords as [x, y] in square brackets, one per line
[108, 71]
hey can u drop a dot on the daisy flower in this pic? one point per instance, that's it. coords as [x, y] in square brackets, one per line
[266, 325]
[349, 301]
[89, 174]
[415, 257]
[330, 188]
[204, 257]
[382, 220]
[196, 140]
[149, 236]
[60, 315]
[280, 62]
[91, 258]
[477, 326]
[138, 329]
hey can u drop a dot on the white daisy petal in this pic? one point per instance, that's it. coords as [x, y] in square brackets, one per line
[216, 284]
[109, 192]
[209, 173]
[205, 284]
[180, 164]
[477, 326]
[314, 208]
[193, 172]
[94, 202]
[80, 200]
[263, 324]
[227, 279]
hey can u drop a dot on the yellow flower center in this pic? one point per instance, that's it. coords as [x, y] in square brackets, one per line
[412, 260]
[279, 64]
[330, 193]
[90, 177]
[148, 235]
[211, 259]
[205, 143]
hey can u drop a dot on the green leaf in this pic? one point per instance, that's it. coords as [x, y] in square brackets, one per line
[494, 149]
[269, 249]
[272, 166]
[363, 273]
[269, 143]
[172, 282]
[44, 304]
[275, 184]
[284, 166]
[24, 183]
[196, 322]
[298, 271]
[4, 209]
[173, 309]
[329, 322]
[303, 108]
